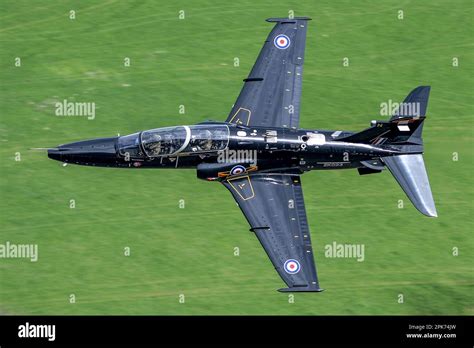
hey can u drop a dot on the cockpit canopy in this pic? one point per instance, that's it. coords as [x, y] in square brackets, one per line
[164, 141]
[175, 140]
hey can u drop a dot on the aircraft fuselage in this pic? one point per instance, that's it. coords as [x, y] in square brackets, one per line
[255, 148]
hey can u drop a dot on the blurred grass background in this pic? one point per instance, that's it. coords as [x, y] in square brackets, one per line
[190, 251]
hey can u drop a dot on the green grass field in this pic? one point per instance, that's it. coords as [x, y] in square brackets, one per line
[190, 251]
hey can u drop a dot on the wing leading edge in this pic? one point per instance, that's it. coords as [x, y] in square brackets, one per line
[274, 207]
[272, 92]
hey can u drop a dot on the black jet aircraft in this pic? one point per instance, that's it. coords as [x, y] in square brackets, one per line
[264, 121]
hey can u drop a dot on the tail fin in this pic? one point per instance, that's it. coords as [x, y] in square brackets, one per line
[410, 172]
[403, 128]
[414, 105]
[404, 131]
[413, 109]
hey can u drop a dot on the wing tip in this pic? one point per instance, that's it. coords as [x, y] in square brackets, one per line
[302, 289]
[294, 19]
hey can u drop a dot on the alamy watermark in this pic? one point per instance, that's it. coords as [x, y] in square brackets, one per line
[391, 108]
[237, 156]
[348, 251]
[68, 108]
[28, 330]
[25, 251]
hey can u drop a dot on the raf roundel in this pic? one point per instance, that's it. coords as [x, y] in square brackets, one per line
[282, 41]
[292, 266]
[237, 170]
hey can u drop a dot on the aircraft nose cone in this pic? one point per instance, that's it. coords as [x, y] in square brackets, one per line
[89, 152]
[54, 154]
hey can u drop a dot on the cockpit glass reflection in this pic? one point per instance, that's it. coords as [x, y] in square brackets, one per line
[170, 141]
[164, 141]
[207, 138]
[129, 145]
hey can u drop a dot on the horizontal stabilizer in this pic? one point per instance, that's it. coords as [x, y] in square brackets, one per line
[410, 172]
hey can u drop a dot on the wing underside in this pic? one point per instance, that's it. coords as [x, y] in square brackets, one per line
[272, 92]
[274, 207]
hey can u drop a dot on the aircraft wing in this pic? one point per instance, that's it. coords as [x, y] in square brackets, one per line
[272, 92]
[274, 207]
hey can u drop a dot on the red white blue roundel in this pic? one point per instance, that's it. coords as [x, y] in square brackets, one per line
[282, 41]
[292, 266]
[237, 170]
